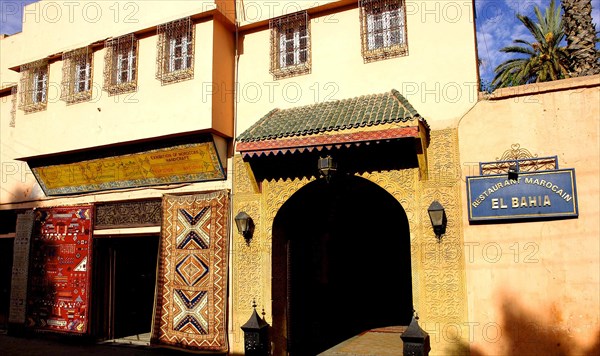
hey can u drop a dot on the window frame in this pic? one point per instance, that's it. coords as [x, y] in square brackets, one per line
[125, 56]
[383, 29]
[75, 87]
[39, 87]
[34, 84]
[87, 76]
[175, 51]
[289, 55]
[185, 58]
[116, 49]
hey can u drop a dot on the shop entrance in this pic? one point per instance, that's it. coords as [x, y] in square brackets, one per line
[124, 284]
[341, 264]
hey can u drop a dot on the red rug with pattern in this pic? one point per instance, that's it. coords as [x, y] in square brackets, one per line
[192, 275]
[61, 250]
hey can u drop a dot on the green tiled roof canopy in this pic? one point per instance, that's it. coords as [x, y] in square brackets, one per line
[384, 120]
[367, 110]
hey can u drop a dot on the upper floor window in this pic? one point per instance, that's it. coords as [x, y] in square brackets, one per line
[34, 86]
[77, 75]
[175, 48]
[120, 67]
[383, 29]
[290, 45]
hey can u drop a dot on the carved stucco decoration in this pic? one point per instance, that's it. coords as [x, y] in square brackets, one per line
[442, 266]
[243, 178]
[251, 264]
[248, 262]
[128, 214]
[439, 290]
[520, 157]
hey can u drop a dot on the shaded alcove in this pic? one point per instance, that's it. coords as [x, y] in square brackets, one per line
[341, 265]
[125, 282]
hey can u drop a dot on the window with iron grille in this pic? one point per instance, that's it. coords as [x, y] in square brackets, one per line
[290, 45]
[77, 76]
[175, 51]
[120, 65]
[34, 86]
[383, 29]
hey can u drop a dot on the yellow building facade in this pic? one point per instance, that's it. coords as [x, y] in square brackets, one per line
[408, 257]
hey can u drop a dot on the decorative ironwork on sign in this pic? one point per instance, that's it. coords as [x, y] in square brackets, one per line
[520, 185]
[520, 159]
[521, 165]
[127, 214]
[516, 152]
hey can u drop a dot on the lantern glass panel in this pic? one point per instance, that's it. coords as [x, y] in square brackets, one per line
[242, 221]
[436, 214]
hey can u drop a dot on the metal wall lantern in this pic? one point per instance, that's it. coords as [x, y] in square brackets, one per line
[327, 167]
[513, 172]
[437, 215]
[245, 225]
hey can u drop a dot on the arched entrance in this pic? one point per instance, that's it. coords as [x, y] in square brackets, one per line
[341, 264]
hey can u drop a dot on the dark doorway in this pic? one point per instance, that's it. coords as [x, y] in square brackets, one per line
[6, 259]
[341, 264]
[124, 283]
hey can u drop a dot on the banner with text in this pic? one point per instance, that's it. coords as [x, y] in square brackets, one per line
[192, 162]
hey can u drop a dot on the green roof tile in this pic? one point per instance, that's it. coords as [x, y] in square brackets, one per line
[366, 110]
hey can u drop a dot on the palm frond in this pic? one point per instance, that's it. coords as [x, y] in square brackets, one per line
[541, 60]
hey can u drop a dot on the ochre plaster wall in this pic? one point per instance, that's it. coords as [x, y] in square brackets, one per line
[222, 88]
[533, 287]
[253, 11]
[439, 291]
[7, 48]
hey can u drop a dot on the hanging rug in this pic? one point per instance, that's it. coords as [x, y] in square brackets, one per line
[190, 308]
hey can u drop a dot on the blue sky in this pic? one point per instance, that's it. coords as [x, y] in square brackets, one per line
[11, 15]
[496, 25]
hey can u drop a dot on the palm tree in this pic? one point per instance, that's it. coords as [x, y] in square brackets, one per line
[543, 60]
[581, 37]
